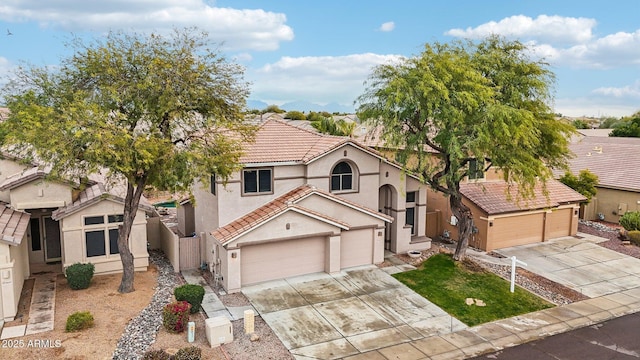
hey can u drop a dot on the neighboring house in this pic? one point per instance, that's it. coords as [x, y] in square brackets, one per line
[503, 221]
[306, 202]
[57, 222]
[615, 160]
[500, 220]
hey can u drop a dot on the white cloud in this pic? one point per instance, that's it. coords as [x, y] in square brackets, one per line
[629, 91]
[324, 79]
[544, 27]
[238, 29]
[388, 26]
[564, 41]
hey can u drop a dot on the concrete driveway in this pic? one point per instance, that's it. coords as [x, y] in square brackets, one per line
[324, 316]
[580, 264]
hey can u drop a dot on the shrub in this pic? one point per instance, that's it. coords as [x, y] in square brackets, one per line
[79, 320]
[188, 353]
[156, 355]
[630, 220]
[175, 316]
[634, 236]
[79, 275]
[193, 294]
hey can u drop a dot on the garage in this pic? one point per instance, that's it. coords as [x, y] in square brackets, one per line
[516, 230]
[559, 223]
[356, 248]
[276, 260]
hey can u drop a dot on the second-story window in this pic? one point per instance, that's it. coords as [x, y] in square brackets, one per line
[342, 177]
[257, 181]
[476, 169]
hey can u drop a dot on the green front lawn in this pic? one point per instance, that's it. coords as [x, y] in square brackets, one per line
[447, 284]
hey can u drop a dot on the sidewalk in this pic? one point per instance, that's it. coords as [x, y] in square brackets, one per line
[494, 336]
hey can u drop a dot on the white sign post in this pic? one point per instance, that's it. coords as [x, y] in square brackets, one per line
[513, 271]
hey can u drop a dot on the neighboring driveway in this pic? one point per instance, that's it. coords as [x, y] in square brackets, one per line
[579, 263]
[326, 316]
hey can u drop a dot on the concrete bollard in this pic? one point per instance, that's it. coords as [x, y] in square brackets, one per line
[249, 322]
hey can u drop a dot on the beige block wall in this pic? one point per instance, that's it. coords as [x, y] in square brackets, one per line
[74, 247]
[41, 194]
[612, 203]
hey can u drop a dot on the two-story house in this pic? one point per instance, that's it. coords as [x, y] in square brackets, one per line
[61, 223]
[306, 202]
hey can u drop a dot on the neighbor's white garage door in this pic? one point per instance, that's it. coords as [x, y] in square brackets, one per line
[282, 259]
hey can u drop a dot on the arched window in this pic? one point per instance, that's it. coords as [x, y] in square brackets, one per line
[342, 177]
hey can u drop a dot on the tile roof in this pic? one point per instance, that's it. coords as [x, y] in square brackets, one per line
[491, 196]
[281, 204]
[13, 225]
[94, 194]
[21, 178]
[615, 160]
[278, 141]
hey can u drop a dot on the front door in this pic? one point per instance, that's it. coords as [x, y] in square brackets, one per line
[52, 239]
[36, 251]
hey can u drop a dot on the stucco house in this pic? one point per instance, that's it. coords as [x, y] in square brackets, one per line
[503, 221]
[306, 202]
[615, 161]
[59, 222]
[500, 220]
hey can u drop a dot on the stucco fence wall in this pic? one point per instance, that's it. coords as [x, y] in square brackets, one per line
[161, 237]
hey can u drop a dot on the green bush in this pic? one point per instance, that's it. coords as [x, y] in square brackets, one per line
[634, 236]
[156, 355]
[79, 275]
[175, 316]
[630, 220]
[193, 294]
[79, 320]
[188, 353]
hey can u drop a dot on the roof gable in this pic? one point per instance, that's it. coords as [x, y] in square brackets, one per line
[492, 196]
[92, 195]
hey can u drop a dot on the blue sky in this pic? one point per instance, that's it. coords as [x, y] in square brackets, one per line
[322, 51]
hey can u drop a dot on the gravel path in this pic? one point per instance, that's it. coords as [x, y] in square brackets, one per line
[141, 331]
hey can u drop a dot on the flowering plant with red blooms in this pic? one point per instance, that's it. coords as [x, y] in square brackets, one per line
[175, 316]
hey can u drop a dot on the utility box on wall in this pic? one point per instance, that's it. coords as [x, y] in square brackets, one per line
[218, 330]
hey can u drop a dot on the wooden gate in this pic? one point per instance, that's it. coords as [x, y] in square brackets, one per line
[189, 253]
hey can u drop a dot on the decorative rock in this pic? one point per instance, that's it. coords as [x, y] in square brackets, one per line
[254, 337]
[480, 303]
[626, 242]
[141, 331]
[468, 301]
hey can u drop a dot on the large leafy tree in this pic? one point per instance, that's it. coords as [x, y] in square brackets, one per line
[146, 110]
[628, 127]
[461, 104]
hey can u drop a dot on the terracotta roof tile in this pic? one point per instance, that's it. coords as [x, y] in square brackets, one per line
[615, 160]
[492, 196]
[13, 225]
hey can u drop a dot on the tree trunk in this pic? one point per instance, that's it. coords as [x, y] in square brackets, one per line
[465, 225]
[131, 202]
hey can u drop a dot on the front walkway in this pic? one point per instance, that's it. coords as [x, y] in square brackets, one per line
[41, 310]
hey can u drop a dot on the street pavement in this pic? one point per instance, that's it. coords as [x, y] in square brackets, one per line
[614, 339]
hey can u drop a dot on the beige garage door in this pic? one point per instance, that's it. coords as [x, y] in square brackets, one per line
[559, 223]
[281, 259]
[516, 230]
[356, 248]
